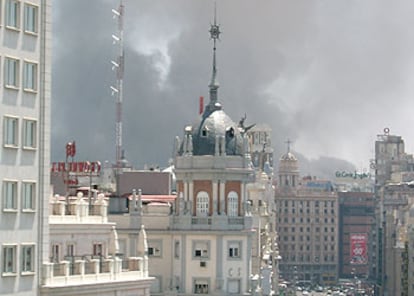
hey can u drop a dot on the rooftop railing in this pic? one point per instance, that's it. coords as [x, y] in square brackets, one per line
[93, 269]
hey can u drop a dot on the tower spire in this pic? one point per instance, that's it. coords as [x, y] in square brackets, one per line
[214, 85]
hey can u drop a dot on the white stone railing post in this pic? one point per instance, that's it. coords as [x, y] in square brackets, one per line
[47, 273]
[104, 212]
[108, 266]
[96, 266]
[141, 266]
[82, 209]
[145, 271]
[66, 272]
[80, 264]
[61, 208]
[117, 266]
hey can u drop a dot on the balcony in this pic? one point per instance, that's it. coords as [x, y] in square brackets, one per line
[78, 210]
[91, 270]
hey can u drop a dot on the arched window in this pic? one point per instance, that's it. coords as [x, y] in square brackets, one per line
[232, 204]
[202, 203]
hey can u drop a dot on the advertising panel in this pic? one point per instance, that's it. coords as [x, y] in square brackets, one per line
[358, 243]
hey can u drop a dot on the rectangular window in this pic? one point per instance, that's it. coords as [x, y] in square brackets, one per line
[10, 131]
[9, 259]
[10, 195]
[70, 250]
[29, 133]
[234, 249]
[201, 249]
[154, 248]
[13, 14]
[28, 256]
[55, 253]
[30, 18]
[30, 76]
[11, 72]
[201, 287]
[97, 249]
[28, 195]
[177, 249]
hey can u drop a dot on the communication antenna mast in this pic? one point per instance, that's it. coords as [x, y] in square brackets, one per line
[117, 90]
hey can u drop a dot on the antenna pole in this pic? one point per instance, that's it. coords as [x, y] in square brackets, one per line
[117, 92]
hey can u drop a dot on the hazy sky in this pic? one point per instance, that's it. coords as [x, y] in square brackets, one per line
[329, 75]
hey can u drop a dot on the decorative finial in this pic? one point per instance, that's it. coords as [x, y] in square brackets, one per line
[214, 85]
[215, 29]
[288, 142]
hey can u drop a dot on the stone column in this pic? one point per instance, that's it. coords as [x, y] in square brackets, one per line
[242, 200]
[222, 197]
[215, 197]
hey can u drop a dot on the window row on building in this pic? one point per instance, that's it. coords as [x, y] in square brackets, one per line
[200, 249]
[15, 11]
[58, 254]
[20, 73]
[203, 204]
[13, 133]
[10, 193]
[307, 229]
[307, 220]
[307, 211]
[17, 258]
[301, 238]
[310, 258]
[287, 247]
[306, 203]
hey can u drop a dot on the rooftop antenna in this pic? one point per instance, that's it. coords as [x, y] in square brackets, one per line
[117, 91]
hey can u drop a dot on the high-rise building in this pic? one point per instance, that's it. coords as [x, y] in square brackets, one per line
[356, 228]
[25, 82]
[307, 226]
[393, 194]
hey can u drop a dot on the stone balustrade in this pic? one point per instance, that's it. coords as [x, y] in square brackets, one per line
[94, 271]
[78, 210]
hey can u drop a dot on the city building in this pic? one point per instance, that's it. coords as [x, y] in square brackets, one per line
[260, 194]
[307, 226]
[408, 258]
[394, 173]
[356, 227]
[204, 237]
[85, 258]
[25, 61]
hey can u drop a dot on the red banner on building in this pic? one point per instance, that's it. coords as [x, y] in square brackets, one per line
[358, 243]
[80, 168]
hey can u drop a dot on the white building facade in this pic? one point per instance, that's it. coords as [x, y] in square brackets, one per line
[84, 253]
[25, 84]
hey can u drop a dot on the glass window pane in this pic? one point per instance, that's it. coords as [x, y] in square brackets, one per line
[9, 257]
[27, 258]
[29, 139]
[9, 195]
[28, 194]
[12, 13]
[30, 18]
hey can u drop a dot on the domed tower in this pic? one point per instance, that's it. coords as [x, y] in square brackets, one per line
[213, 159]
[288, 170]
[211, 215]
